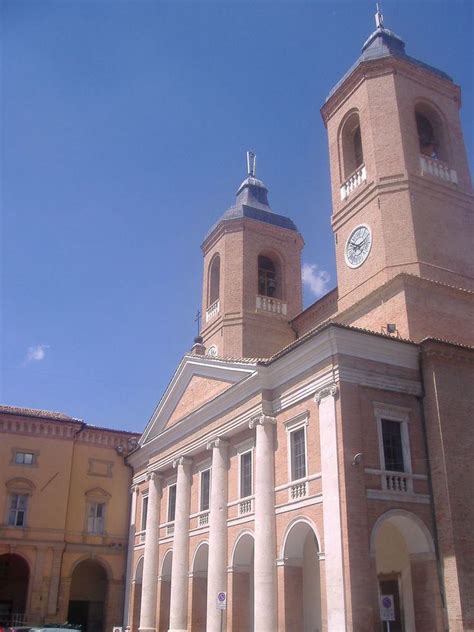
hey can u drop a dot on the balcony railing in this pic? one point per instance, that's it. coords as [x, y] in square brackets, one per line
[273, 305]
[170, 529]
[399, 482]
[298, 490]
[353, 181]
[246, 506]
[212, 310]
[203, 519]
[437, 168]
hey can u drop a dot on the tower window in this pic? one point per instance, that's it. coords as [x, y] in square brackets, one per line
[267, 277]
[392, 445]
[351, 146]
[214, 279]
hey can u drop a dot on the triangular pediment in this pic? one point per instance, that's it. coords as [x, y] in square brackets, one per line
[197, 382]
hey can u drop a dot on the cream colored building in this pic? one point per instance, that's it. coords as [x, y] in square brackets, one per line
[64, 528]
[307, 463]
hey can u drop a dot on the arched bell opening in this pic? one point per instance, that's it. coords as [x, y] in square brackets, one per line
[214, 280]
[88, 595]
[14, 581]
[302, 579]
[270, 281]
[430, 131]
[198, 588]
[242, 584]
[351, 146]
[164, 590]
[406, 571]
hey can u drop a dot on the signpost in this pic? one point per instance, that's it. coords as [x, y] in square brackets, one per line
[387, 609]
[221, 604]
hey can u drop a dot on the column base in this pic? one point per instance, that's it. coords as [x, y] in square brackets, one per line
[146, 629]
[178, 630]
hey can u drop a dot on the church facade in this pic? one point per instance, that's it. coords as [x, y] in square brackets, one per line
[304, 464]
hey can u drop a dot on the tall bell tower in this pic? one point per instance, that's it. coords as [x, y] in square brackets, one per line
[401, 189]
[252, 276]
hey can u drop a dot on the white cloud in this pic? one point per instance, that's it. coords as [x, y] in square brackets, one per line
[36, 353]
[316, 280]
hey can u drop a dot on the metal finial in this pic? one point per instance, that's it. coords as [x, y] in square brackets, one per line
[198, 321]
[378, 17]
[251, 164]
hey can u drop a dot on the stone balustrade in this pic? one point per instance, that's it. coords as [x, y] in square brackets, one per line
[212, 310]
[298, 490]
[272, 305]
[353, 181]
[437, 168]
[397, 482]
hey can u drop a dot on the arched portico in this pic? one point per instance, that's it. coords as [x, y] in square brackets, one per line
[241, 584]
[198, 588]
[14, 581]
[299, 573]
[406, 569]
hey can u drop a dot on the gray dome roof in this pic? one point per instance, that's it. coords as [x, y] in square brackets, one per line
[252, 202]
[385, 43]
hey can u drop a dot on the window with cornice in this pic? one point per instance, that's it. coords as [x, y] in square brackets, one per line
[19, 492]
[97, 500]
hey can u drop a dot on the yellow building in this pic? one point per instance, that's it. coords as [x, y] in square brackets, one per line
[64, 531]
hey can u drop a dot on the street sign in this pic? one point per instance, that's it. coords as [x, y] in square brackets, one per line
[387, 608]
[221, 600]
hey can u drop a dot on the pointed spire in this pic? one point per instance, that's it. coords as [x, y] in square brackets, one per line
[378, 17]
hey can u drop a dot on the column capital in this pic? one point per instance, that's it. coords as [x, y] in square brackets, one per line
[218, 442]
[261, 420]
[154, 476]
[182, 460]
[329, 390]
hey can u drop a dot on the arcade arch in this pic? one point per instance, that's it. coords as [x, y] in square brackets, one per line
[406, 569]
[14, 581]
[164, 591]
[301, 578]
[88, 595]
[242, 583]
[199, 588]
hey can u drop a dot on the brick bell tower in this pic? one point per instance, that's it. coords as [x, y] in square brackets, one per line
[401, 191]
[252, 276]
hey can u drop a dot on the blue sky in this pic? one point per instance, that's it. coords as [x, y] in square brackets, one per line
[124, 131]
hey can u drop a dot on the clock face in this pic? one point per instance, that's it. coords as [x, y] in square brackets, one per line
[358, 246]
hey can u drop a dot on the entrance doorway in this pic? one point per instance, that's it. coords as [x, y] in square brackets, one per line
[390, 585]
[88, 595]
[14, 579]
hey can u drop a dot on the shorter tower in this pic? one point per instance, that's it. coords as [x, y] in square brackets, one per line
[252, 276]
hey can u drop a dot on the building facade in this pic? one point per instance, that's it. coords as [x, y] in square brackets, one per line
[63, 539]
[308, 463]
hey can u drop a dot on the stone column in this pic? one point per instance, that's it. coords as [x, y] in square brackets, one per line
[131, 545]
[150, 560]
[180, 564]
[217, 565]
[335, 597]
[265, 599]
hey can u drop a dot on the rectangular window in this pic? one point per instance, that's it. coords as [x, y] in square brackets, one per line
[171, 503]
[24, 458]
[298, 454]
[246, 474]
[144, 512]
[17, 510]
[95, 518]
[205, 489]
[392, 445]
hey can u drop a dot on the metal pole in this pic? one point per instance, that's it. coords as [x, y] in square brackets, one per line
[222, 619]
